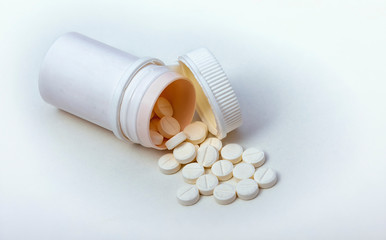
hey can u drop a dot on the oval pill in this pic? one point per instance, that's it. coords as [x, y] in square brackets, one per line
[254, 156]
[224, 193]
[215, 142]
[196, 132]
[184, 153]
[175, 140]
[191, 172]
[243, 171]
[156, 138]
[188, 195]
[247, 189]
[168, 126]
[154, 124]
[232, 152]
[163, 108]
[206, 184]
[265, 177]
[168, 164]
[222, 169]
[207, 155]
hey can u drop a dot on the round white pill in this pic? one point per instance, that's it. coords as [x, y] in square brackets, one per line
[243, 171]
[254, 156]
[184, 153]
[168, 126]
[153, 124]
[175, 141]
[188, 195]
[156, 137]
[222, 169]
[163, 108]
[206, 184]
[232, 152]
[247, 189]
[168, 164]
[265, 177]
[196, 132]
[224, 193]
[215, 142]
[191, 172]
[207, 155]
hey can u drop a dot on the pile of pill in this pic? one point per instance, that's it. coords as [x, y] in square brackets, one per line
[207, 166]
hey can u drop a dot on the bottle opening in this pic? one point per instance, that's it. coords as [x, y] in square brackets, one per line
[179, 92]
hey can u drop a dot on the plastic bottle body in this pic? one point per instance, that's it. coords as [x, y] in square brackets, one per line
[111, 88]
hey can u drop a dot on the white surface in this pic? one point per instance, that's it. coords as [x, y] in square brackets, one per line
[310, 77]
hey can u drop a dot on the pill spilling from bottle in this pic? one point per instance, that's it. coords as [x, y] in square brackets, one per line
[144, 101]
[208, 168]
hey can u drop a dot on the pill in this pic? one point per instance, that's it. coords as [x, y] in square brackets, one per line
[156, 138]
[222, 169]
[168, 126]
[207, 155]
[254, 156]
[163, 108]
[232, 152]
[153, 124]
[206, 184]
[215, 142]
[168, 164]
[197, 147]
[191, 172]
[184, 153]
[247, 189]
[175, 140]
[243, 171]
[188, 195]
[265, 177]
[224, 193]
[196, 132]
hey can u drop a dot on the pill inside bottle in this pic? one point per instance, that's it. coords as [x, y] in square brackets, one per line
[173, 112]
[139, 99]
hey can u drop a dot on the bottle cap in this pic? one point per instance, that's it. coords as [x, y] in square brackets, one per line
[216, 102]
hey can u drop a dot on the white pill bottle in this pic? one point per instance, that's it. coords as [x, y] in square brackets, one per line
[117, 90]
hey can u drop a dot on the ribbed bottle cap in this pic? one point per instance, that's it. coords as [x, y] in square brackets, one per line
[217, 104]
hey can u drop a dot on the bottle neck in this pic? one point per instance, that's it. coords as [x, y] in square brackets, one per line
[133, 96]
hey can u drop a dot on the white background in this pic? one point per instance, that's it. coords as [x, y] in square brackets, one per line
[310, 77]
